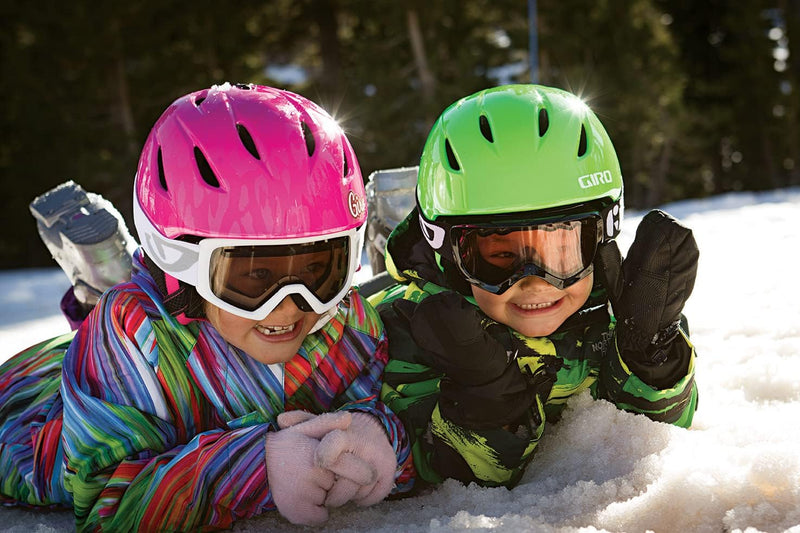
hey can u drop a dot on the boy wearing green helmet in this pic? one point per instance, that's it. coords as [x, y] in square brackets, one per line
[507, 266]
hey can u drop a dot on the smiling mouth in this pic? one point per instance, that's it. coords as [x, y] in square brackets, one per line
[531, 307]
[275, 330]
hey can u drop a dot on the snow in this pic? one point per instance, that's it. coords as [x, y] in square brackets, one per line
[601, 469]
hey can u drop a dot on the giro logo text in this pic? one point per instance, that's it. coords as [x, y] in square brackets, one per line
[594, 179]
[356, 204]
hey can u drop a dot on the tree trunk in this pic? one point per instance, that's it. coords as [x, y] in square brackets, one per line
[655, 195]
[324, 15]
[427, 81]
[123, 104]
[768, 161]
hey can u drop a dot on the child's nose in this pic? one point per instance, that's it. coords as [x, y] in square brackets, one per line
[532, 282]
[286, 306]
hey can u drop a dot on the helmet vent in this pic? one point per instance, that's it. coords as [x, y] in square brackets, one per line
[205, 168]
[486, 130]
[309, 138]
[199, 100]
[162, 178]
[346, 169]
[544, 122]
[247, 141]
[451, 157]
[243, 86]
[582, 142]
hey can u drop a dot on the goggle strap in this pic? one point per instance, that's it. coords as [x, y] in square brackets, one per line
[176, 258]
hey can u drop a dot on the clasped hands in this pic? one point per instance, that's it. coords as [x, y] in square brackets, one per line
[319, 461]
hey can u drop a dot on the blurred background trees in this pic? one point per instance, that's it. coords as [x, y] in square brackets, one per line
[700, 97]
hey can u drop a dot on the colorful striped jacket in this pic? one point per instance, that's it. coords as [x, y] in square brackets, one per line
[163, 425]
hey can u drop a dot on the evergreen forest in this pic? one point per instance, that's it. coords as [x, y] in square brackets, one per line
[700, 97]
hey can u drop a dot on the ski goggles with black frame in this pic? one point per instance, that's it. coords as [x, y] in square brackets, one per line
[251, 277]
[493, 253]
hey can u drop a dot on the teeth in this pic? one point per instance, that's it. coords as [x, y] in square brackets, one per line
[529, 307]
[275, 330]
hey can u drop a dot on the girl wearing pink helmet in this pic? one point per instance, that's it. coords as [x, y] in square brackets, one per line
[236, 372]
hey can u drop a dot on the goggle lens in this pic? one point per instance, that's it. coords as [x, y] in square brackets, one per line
[248, 276]
[496, 257]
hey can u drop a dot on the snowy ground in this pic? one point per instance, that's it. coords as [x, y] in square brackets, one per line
[601, 469]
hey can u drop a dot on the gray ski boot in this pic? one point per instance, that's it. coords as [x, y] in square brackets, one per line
[87, 237]
[390, 197]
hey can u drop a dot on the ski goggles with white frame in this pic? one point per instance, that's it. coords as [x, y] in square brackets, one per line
[493, 253]
[251, 277]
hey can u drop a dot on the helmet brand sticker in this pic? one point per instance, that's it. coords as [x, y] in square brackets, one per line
[595, 178]
[612, 221]
[433, 234]
[357, 204]
[169, 257]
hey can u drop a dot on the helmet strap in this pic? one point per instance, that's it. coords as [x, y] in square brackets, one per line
[181, 299]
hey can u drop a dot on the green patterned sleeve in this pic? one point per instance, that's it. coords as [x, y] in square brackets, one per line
[442, 449]
[490, 457]
[410, 389]
[673, 405]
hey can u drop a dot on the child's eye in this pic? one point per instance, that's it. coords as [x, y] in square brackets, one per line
[259, 273]
[502, 259]
[315, 269]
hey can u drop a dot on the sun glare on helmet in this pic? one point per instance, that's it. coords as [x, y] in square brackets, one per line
[578, 105]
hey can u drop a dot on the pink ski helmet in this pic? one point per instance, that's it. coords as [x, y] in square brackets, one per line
[243, 162]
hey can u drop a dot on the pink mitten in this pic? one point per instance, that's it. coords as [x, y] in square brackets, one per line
[363, 459]
[292, 418]
[299, 486]
[343, 489]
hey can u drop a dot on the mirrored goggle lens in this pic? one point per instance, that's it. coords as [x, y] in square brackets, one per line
[494, 255]
[248, 276]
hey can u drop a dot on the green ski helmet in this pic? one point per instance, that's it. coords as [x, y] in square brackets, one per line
[517, 153]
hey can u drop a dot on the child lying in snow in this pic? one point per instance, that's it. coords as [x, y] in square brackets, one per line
[236, 372]
[506, 267]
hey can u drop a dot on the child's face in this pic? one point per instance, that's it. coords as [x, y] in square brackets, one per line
[532, 306]
[275, 339]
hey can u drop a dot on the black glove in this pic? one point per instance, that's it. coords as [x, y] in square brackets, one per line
[482, 387]
[650, 287]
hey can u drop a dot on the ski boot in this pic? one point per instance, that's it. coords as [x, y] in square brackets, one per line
[89, 240]
[390, 197]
